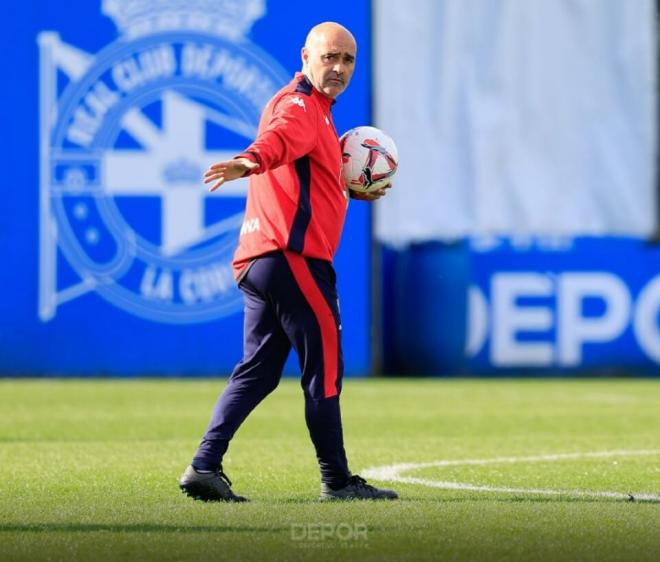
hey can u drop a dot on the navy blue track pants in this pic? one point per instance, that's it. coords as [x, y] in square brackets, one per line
[290, 301]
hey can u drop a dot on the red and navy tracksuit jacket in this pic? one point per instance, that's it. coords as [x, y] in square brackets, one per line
[296, 198]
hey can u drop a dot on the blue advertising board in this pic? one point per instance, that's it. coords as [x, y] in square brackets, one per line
[565, 305]
[116, 260]
[523, 305]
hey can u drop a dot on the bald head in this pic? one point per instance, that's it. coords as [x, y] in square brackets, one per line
[329, 30]
[328, 57]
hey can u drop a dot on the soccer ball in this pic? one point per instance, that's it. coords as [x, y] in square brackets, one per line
[370, 158]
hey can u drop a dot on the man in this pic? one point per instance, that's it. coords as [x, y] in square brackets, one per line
[294, 216]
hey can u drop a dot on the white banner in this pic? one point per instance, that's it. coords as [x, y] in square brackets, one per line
[516, 117]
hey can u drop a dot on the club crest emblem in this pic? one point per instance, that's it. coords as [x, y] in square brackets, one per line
[125, 135]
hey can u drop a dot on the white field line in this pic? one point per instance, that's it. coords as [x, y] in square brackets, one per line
[393, 473]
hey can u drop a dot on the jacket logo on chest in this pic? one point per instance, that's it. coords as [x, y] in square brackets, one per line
[300, 102]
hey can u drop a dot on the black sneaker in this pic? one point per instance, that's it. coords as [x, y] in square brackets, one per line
[357, 489]
[208, 486]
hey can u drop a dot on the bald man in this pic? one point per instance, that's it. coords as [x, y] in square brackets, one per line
[295, 211]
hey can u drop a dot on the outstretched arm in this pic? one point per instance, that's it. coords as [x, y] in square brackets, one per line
[227, 171]
[290, 133]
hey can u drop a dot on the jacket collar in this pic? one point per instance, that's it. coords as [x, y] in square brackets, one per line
[306, 87]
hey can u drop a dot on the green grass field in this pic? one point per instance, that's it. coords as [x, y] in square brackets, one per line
[88, 472]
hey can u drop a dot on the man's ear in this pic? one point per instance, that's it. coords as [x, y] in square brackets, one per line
[304, 55]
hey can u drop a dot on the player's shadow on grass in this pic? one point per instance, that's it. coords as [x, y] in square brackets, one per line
[135, 528]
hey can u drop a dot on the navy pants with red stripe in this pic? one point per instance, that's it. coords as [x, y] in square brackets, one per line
[290, 301]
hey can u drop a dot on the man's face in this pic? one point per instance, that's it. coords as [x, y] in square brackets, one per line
[329, 62]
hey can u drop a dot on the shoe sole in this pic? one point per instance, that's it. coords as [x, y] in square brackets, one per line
[354, 498]
[199, 493]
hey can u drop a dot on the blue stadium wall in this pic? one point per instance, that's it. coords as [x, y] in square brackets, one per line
[107, 120]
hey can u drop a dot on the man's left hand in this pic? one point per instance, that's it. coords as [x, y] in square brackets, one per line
[370, 196]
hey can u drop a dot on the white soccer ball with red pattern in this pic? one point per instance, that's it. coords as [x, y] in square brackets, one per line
[370, 158]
